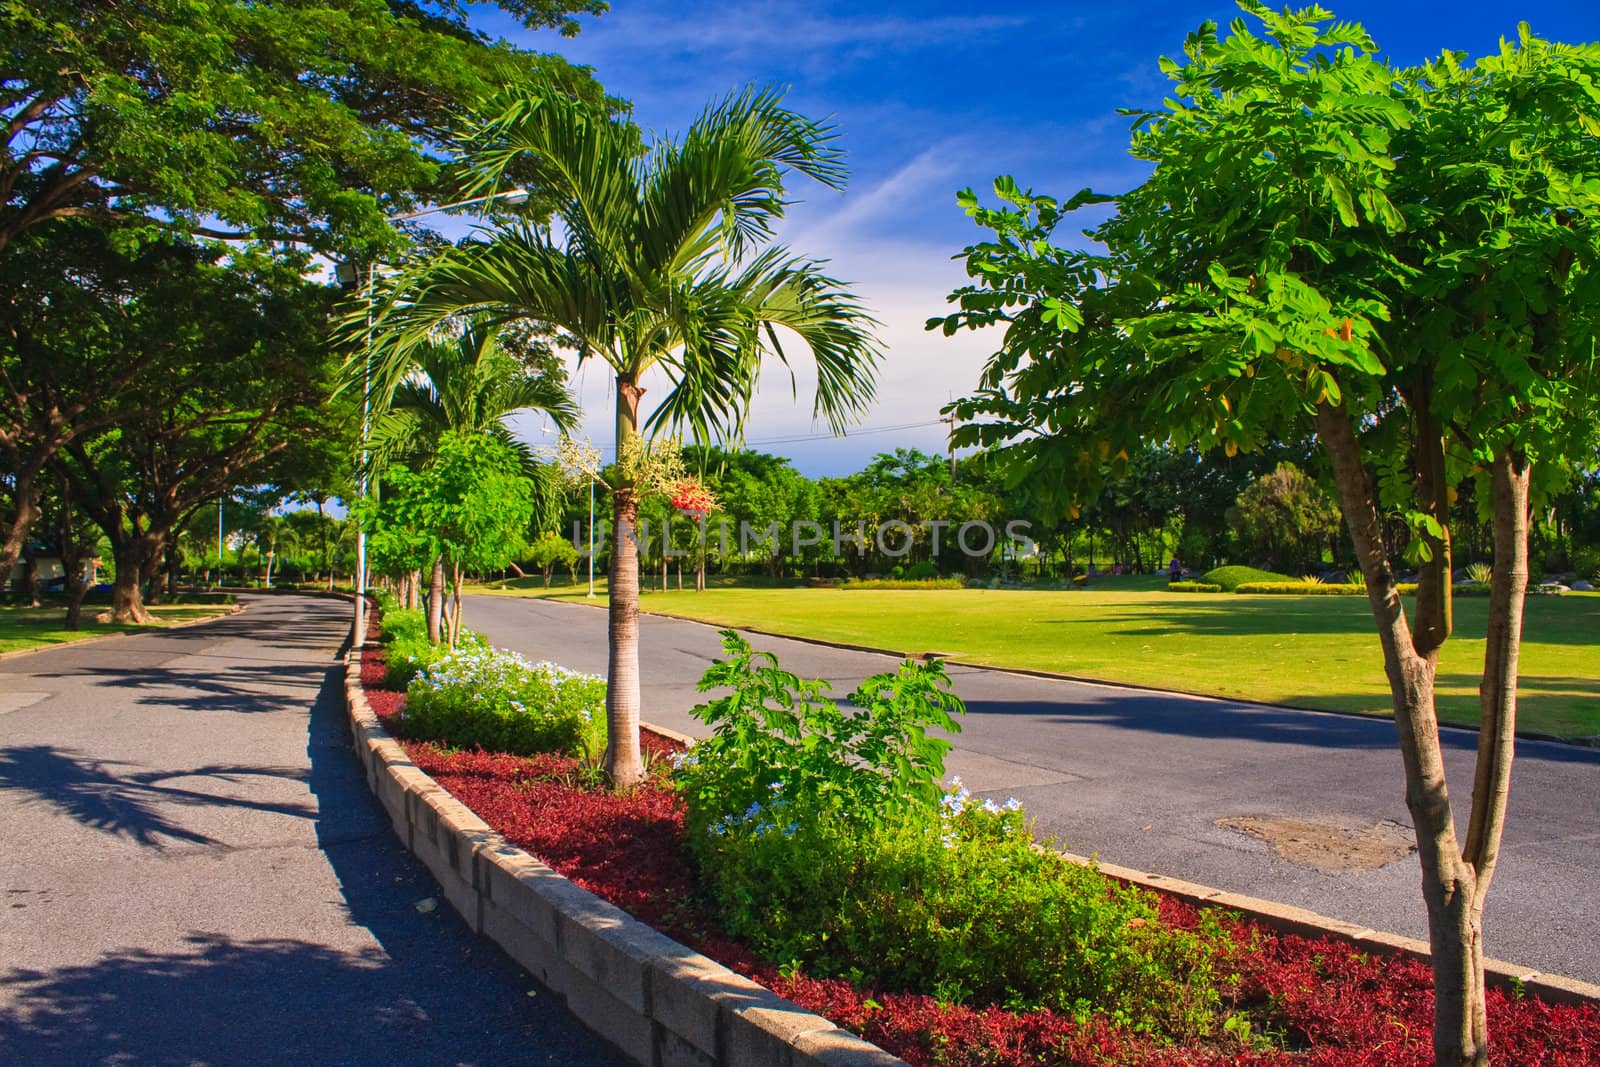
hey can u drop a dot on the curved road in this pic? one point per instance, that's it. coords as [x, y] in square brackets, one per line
[194, 872]
[1142, 778]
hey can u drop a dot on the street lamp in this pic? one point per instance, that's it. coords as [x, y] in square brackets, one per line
[348, 272]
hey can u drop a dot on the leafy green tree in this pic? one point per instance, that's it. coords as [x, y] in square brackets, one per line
[467, 384]
[548, 551]
[480, 500]
[1286, 516]
[297, 122]
[658, 263]
[468, 507]
[85, 324]
[238, 368]
[1404, 263]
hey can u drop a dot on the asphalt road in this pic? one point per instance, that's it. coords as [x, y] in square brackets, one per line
[194, 872]
[1141, 778]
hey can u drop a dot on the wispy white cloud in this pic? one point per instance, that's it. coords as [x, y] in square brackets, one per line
[762, 28]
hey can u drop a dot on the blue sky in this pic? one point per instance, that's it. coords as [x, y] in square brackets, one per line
[930, 98]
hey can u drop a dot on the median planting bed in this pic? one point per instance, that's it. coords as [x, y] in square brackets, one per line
[747, 849]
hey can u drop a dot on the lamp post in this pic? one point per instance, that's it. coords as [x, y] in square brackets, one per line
[219, 542]
[510, 196]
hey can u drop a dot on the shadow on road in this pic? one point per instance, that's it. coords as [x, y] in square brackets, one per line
[98, 795]
[429, 993]
[1218, 720]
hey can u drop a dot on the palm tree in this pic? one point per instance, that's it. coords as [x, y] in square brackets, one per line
[468, 384]
[658, 263]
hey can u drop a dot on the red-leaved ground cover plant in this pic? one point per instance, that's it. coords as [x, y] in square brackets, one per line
[1293, 1000]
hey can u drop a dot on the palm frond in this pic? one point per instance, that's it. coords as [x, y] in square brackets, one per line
[721, 187]
[729, 322]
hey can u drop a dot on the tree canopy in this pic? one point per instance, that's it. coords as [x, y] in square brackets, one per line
[298, 122]
[1404, 262]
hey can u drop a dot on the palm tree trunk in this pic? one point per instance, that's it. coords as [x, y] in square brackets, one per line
[622, 764]
[436, 600]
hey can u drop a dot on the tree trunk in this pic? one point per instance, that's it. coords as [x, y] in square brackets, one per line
[1454, 881]
[435, 600]
[622, 764]
[30, 579]
[152, 570]
[25, 491]
[322, 533]
[455, 606]
[75, 552]
[156, 575]
[127, 599]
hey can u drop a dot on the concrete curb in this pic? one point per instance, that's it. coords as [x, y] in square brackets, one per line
[17, 653]
[659, 1002]
[1288, 919]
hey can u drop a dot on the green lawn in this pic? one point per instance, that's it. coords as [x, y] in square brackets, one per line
[36, 627]
[1311, 652]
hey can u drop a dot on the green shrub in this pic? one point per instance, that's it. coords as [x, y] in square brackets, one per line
[923, 571]
[1193, 587]
[405, 655]
[1230, 578]
[489, 698]
[402, 622]
[962, 905]
[1586, 563]
[904, 583]
[1315, 589]
[777, 734]
[823, 837]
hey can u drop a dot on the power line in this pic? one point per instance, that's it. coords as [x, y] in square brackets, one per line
[862, 432]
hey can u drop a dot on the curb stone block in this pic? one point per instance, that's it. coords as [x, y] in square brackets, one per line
[1192, 892]
[1287, 917]
[616, 955]
[508, 881]
[1394, 945]
[536, 955]
[1559, 990]
[765, 1032]
[839, 1048]
[673, 1051]
[689, 994]
[617, 1021]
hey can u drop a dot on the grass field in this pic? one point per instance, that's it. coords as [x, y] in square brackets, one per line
[1310, 652]
[37, 627]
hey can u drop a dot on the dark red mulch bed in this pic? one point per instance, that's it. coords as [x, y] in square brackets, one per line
[1337, 1006]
